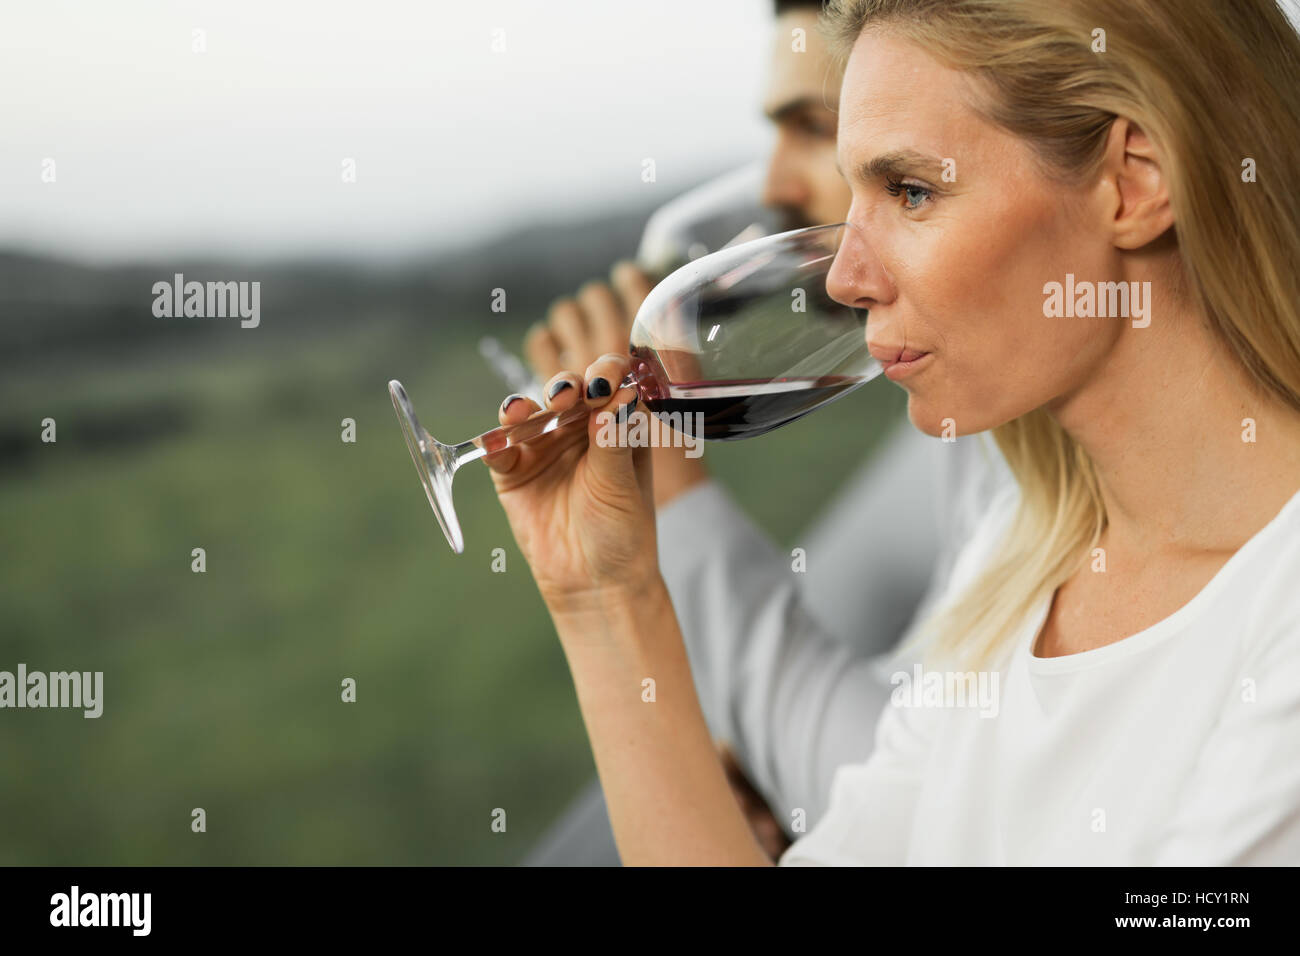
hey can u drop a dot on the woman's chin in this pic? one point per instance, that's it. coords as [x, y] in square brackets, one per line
[941, 423]
[928, 421]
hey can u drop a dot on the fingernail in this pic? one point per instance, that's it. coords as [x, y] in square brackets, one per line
[510, 398]
[598, 388]
[626, 410]
[558, 387]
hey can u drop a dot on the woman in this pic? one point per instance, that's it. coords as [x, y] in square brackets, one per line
[1074, 224]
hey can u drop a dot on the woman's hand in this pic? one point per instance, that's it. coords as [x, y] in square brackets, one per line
[598, 319]
[581, 509]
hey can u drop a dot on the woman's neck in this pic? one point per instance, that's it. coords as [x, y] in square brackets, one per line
[1167, 421]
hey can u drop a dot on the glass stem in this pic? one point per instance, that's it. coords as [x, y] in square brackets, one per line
[506, 436]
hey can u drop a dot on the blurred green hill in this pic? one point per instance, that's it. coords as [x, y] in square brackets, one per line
[222, 689]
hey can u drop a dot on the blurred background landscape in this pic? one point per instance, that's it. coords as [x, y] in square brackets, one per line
[222, 689]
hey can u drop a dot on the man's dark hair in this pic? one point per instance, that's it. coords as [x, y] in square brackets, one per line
[785, 6]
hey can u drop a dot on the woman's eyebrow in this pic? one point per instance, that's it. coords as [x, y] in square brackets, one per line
[892, 165]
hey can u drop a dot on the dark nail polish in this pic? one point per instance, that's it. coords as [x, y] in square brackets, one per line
[510, 398]
[598, 388]
[558, 387]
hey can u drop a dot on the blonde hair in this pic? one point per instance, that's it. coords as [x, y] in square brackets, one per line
[1211, 84]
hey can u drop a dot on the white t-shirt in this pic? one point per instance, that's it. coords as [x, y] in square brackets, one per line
[1179, 745]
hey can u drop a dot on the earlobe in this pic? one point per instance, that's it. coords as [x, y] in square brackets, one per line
[1134, 169]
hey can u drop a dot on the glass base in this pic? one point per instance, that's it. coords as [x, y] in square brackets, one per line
[434, 464]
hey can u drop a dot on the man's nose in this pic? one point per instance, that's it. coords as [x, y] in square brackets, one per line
[856, 277]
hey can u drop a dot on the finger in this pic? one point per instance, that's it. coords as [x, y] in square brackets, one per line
[643, 466]
[606, 321]
[570, 330]
[601, 382]
[609, 457]
[542, 351]
[632, 286]
[513, 410]
[563, 390]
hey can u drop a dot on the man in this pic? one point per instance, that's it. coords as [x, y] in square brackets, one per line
[790, 668]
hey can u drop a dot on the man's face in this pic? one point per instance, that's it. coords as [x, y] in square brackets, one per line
[802, 101]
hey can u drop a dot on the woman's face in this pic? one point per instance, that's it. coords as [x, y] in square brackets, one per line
[956, 268]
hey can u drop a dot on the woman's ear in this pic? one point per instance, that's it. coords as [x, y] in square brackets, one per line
[1134, 187]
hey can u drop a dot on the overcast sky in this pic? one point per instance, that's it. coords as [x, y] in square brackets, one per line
[157, 147]
[240, 148]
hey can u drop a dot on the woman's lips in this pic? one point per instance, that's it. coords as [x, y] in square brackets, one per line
[908, 362]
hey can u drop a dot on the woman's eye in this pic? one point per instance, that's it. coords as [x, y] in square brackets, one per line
[914, 196]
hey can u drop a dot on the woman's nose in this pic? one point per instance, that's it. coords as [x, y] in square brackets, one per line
[856, 278]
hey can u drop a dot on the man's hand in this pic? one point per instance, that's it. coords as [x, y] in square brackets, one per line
[580, 329]
[768, 832]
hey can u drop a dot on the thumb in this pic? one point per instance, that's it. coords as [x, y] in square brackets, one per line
[610, 454]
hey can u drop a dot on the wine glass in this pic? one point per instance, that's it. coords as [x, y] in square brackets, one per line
[718, 213]
[746, 336]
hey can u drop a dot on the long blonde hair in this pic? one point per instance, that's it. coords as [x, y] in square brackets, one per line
[1213, 84]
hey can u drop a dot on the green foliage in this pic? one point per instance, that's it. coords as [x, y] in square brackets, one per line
[222, 689]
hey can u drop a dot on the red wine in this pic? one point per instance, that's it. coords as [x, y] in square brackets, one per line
[744, 408]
